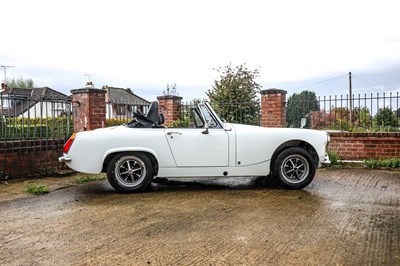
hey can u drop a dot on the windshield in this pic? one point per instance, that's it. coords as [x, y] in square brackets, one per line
[209, 117]
[202, 115]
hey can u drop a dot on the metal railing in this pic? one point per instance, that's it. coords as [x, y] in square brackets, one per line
[366, 112]
[238, 112]
[121, 112]
[32, 134]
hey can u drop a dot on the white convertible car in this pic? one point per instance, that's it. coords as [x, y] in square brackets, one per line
[135, 153]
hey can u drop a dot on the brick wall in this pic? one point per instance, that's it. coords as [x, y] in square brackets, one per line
[367, 145]
[30, 158]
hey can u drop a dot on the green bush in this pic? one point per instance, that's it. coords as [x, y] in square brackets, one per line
[385, 163]
[117, 121]
[179, 123]
[12, 128]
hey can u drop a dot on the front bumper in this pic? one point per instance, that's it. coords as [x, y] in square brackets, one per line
[326, 160]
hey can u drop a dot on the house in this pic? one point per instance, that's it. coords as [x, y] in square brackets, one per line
[46, 102]
[32, 103]
[122, 103]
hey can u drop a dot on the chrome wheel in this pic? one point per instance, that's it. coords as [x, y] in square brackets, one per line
[295, 168]
[130, 171]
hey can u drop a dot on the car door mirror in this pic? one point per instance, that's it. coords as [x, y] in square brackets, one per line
[303, 122]
[206, 126]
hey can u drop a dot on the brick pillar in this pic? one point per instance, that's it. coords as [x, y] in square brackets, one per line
[89, 109]
[273, 108]
[170, 106]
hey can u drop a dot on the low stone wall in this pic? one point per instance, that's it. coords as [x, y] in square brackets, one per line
[362, 146]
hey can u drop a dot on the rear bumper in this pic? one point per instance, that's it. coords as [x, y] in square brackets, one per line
[64, 159]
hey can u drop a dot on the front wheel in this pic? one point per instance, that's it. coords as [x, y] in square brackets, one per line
[294, 168]
[130, 172]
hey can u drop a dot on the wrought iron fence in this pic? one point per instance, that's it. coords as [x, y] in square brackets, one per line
[32, 134]
[233, 112]
[24, 119]
[366, 112]
[247, 112]
[121, 112]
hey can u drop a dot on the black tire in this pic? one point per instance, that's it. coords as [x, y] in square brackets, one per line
[130, 172]
[294, 168]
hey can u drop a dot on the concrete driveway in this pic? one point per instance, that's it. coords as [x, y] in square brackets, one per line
[345, 217]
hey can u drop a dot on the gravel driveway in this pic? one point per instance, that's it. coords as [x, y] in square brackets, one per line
[345, 217]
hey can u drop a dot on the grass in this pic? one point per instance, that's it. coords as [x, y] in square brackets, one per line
[91, 178]
[36, 189]
[334, 158]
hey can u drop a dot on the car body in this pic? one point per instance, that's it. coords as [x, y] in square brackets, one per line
[133, 154]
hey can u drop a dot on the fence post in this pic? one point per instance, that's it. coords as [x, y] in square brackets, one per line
[273, 108]
[170, 106]
[89, 108]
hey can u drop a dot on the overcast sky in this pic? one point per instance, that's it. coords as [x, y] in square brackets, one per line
[145, 45]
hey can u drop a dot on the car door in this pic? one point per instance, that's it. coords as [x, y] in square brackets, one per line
[192, 147]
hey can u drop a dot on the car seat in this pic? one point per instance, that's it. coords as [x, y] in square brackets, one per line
[154, 116]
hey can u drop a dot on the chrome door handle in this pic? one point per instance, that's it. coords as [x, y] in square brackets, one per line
[174, 133]
[171, 134]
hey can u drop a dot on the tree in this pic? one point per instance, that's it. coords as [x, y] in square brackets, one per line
[362, 117]
[385, 117]
[20, 83]
[234, 96]
[299, 106]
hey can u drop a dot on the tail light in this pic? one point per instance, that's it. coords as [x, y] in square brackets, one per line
[68, 144]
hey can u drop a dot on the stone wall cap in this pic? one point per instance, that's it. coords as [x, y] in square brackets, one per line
[167, 97]
[343, 134]
[272, 91]
[88, 90]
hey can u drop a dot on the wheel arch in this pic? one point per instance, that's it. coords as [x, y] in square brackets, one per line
[152, 157]
[295, 143]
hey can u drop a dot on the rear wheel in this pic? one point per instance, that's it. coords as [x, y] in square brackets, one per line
[130, 172]
[294, 168]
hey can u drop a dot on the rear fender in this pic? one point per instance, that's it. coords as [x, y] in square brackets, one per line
[111, 153]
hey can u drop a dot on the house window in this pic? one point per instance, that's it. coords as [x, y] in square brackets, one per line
[5, 102]
[120, 110]
[58, 106]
